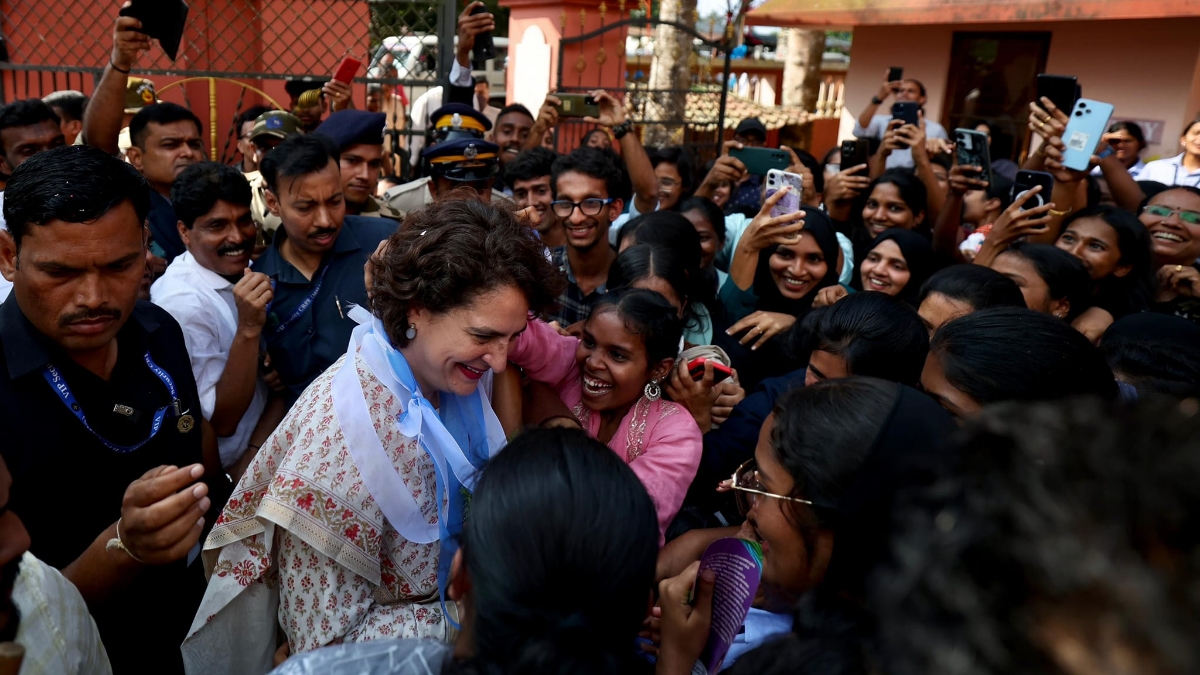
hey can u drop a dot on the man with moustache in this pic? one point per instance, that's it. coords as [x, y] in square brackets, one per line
[315, 261]
[358, 135]
[98, 406]
[221, 306]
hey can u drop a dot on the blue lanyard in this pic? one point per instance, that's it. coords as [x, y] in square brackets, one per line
[59, 385]
[303, 306]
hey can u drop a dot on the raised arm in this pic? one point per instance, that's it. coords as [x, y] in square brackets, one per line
[103, 118]
[864, 118]
[637, 162]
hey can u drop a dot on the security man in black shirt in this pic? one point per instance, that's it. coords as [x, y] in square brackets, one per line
[98, 406]
[316, 259]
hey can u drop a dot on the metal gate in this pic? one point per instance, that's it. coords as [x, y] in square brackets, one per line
[237, 46]
[704, 113]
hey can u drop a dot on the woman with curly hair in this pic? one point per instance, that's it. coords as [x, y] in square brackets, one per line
[343, 527]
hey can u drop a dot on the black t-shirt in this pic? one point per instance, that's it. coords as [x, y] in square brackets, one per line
[68, 486]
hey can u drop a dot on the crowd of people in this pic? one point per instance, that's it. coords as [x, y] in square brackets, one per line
[490, 419]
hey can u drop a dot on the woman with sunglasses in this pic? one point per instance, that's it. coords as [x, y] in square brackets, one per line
[1173, 219]
[829, 461]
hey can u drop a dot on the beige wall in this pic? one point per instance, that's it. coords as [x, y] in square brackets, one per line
[1148, 69]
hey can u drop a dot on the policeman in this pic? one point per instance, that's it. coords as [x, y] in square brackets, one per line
[453, 124]
[269, 130]
[358, 135]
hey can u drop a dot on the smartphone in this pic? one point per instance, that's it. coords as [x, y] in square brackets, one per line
[759, 161]
[789, 203]
[347, 69]
[895, 74]
[484, 48]
[971, 148]
[162, 20]
[1062, 90]
[578, 105]
[1088, 121]
[855, 152]
[1026, 181]
[721, 372]
[907, 112]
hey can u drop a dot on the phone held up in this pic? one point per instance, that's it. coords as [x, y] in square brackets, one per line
[855, 153]
[577, 105]
[162, 20]
[347, 69]
[1088, 121]
[1062, 90]
[759, 161]
[790, 202]
[484, 47]
[971, 149]
[1026, 181]
[907, 112]
[895, 74]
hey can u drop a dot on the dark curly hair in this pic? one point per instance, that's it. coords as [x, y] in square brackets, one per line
[1076, 514]
[449, 253]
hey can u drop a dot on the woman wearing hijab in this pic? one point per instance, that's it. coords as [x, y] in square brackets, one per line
[830, 461]
[897, 263]
[779, 266]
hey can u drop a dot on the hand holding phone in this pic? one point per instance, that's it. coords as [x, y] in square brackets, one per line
[162, 20]
[1024, 189]
[721, 372]
[971, 149]
[577, 105]
[854, 153]
[1089, 120]
[484, 47]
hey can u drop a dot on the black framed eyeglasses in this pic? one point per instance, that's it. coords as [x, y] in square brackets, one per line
[588, 207]
[747, 489]
[1164, 212]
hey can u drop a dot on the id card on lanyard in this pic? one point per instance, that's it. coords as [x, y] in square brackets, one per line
[303, 307]
[184, 422]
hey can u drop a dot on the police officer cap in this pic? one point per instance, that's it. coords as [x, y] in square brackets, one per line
[354, 127]
[455, 121]
[275, 123]
[463, 160]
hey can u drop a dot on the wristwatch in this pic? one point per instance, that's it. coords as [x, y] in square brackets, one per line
[876, 100]
[621, 129]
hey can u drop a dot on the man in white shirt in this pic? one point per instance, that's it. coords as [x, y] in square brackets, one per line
[870, 125]
[221, 306]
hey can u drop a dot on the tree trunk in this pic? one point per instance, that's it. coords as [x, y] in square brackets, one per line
[802, 70]
[670, 69]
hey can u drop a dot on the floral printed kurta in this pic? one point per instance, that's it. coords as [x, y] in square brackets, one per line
[302, 525]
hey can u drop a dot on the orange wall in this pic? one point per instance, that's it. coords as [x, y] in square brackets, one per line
[1148, 69]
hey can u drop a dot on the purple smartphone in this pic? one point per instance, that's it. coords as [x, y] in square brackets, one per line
[789, 203]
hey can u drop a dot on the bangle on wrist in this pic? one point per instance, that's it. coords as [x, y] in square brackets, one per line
[115, 544]
[114, 67]
[1060, 214]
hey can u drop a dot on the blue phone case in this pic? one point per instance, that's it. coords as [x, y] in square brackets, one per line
[1088, 121]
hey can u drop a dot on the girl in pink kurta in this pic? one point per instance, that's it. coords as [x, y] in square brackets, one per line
[610, 379]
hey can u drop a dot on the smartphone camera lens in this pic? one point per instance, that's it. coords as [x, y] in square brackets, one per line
[1079, 113]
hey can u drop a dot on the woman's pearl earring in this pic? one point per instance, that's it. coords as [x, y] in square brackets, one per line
[411, 333]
